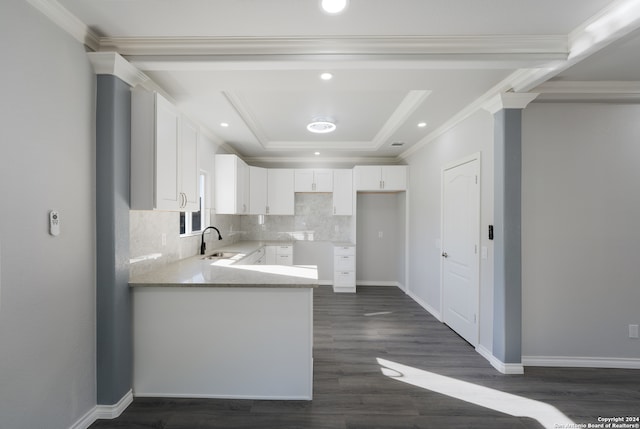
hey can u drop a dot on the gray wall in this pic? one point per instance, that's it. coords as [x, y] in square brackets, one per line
[473, 135]
[581, 241]
[47, 284]
[380, 259]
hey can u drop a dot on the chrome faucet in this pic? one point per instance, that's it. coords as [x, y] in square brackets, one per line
[203, 245]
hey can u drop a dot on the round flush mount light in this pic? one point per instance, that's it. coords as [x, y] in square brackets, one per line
[326, 76]
[316, 153]
[333, 7]
[321, 126]
[224, 124]
[422, 124]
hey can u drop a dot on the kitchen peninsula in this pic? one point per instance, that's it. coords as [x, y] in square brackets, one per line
[213, 327]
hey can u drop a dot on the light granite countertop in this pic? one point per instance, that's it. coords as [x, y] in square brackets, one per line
[198, 271]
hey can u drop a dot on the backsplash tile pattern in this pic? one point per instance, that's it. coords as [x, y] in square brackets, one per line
[313, 221]
[146, 230]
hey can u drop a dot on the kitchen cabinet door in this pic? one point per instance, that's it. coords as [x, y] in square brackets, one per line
[164, 145]
[380, 178]
[323, 180]
[231, 185]
[167, 123]
[190, 134]
[280, 191]
[394, 177]
[313, 180]
[303, 180]
[257, 190]
[368, 177]
[343, 192]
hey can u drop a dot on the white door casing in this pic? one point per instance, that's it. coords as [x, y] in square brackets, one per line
[460, 284]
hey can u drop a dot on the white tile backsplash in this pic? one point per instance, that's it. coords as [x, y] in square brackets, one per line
[313, 221]
[147, 228]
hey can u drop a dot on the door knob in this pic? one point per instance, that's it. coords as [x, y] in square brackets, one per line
[444, 254]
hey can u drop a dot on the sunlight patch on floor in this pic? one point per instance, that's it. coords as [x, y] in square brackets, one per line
[514, 405]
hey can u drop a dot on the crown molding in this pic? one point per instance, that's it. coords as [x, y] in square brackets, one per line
[509, 100]
[589, 91]
[352, 161]
[112, 63]
[57, 13]
[548, 46]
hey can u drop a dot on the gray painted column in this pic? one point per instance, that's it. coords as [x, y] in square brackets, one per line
[507, 298]
[507, 288]
[113, 298]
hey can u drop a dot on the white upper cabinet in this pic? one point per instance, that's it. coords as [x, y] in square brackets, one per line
[231, 185]
[313, 180]
[190, 134]
[280, 191]
[380, 178]
[343, 192]
[164, 152]
[257, 190]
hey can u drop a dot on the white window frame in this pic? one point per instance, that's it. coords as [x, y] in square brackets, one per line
[202, 188]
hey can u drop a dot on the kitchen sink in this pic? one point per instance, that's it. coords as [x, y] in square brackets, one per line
[220, 255]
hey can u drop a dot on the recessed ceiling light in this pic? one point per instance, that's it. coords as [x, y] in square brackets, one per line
[321, 126]
[422, 124]
[326, 76]
[316, 153]
[224, 124]
[333, 6]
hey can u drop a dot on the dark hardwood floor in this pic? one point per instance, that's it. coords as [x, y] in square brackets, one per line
[351, 391]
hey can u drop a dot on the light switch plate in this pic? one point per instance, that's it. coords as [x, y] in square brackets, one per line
[633, 331]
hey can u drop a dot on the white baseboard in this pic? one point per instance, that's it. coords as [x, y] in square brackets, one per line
[581, 362]
[424, 305]
[504, 368]
[104, 412]
[377, 283]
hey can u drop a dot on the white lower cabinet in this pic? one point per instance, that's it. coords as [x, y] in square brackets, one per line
[279, 255]
[344, 268]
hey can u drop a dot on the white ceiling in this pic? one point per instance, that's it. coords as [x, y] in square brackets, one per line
[255, 64]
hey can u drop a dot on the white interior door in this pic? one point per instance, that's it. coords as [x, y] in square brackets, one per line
[460, 236]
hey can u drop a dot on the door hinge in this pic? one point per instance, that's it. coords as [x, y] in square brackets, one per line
[475, 249]
[476, 179]
[475, 319]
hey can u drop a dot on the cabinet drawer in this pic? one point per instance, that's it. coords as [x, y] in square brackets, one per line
[344, 278]
[284, 259]
[344, 250]
[284, 250]
[344, 262]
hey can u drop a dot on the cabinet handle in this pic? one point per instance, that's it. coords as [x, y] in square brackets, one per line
[267, 210]
[381, 186]
[334, 209]
[313, 186]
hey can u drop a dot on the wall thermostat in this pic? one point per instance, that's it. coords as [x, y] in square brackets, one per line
[54, 223]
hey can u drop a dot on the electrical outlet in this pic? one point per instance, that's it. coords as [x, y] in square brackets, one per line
[633, 331]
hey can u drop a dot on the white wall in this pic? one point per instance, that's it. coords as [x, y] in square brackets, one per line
[47, 284]
[475, 134]
[580, 234]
